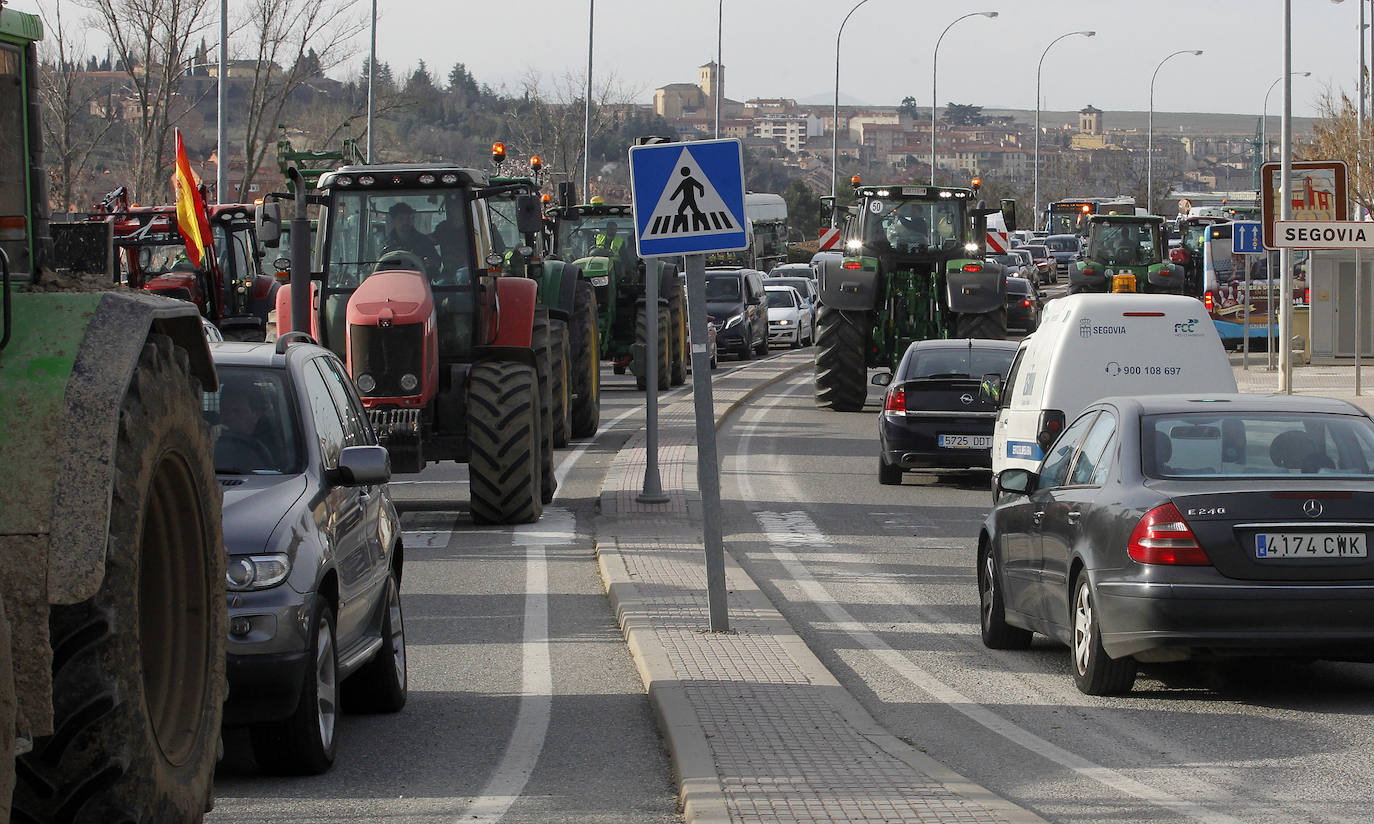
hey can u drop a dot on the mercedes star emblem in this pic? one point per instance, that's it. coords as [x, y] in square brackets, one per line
[966, 399]
[1313, 508]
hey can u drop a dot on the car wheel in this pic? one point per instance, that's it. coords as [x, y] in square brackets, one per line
[997, 633]
[889, 474]
[304, 744]
[1094, 672]
[383, 683]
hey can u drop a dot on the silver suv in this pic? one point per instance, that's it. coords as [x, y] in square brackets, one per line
[314, 544]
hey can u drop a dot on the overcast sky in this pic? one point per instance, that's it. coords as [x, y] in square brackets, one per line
[786, 48]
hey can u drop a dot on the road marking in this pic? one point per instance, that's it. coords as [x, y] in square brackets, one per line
[786, 529]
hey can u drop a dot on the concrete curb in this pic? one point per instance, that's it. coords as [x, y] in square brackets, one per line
[700, 794]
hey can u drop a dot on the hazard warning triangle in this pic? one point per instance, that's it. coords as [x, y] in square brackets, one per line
[689, 206]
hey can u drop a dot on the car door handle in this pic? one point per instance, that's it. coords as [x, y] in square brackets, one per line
[1072, 516]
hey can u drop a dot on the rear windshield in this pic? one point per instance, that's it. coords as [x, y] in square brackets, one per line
[1199, 445]
[955, 362]
[796, 283]
[1038, 250]
[1020, 286]
[1062, 244]
[254, 423]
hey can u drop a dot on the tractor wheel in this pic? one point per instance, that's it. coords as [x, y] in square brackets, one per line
[664, 344]
[558, 351]
[584, 364]
[990, 325]
[677, 320]
[543, 363]
[138, 670]
[505, 443]
[841, 370]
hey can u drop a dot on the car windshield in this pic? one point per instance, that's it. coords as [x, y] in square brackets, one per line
[780, 299]
[796, 283]
[1062, 244]
[957, 362]
[397, 229]
[253, 422]
[722, 288]
[913, 225]
[1133, 243]
[581, 236]
[1253, 444]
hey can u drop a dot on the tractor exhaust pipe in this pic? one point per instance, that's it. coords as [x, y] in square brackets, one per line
[300, 256]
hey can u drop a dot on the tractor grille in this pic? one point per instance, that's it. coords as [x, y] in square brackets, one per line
[386, 354]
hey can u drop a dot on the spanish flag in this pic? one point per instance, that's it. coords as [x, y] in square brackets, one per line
[192, 221]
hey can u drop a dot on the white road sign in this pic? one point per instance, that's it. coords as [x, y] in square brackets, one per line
[1323, 234]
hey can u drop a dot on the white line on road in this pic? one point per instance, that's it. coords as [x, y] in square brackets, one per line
[785, 529]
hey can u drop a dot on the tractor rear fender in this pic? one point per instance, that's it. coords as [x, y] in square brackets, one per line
[976, 292]
[283, 309]
[849, 289]
[1166, 277]
[558, 288]
[513, 314]
[71, 361]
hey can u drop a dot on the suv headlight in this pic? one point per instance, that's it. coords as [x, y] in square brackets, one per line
[734, 320]
[249, 572]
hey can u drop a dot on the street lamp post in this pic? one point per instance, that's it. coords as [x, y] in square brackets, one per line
[934, 66]
[1150, 132]
[222, 104]
[1035, 206]
[587, 114]
[371, 80]
[835, 136]
[1264, 116]
[720, 32]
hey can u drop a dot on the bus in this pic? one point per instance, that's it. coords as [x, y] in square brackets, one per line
[1070, 217]
[1226, 293]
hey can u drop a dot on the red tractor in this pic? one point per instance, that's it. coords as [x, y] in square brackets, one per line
[229, 287]
[452, 360]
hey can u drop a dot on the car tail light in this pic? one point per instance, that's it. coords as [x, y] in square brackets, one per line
[1163, 537]
[1025, 303]
[1051, 424]
[1307, 296]
[895, 401]
[1209, 300]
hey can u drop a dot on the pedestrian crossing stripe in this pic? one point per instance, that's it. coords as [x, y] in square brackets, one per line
[689, 205]
[689, 198]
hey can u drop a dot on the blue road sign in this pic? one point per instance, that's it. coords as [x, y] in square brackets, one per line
[1245, 238]
[689, 197]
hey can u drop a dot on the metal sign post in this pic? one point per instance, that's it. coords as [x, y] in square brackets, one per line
[689, 200]
[1246, 247]
[1359, 318]
[652, 493]
[1245, 336]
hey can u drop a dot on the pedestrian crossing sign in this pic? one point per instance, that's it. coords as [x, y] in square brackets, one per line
[689, 198]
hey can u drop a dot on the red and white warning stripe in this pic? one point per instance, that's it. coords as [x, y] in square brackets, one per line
[830, 238]
[998, 242]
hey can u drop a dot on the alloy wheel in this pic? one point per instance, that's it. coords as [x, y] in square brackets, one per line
[1082, 630]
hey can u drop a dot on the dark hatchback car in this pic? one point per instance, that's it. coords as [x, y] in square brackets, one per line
[1024, 302]
[1044, 261]
[734, 297]
[314, 547]
[1174, 527]
[932, 415]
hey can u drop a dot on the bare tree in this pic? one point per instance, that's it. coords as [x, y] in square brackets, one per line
[70, 131]
[550, 120]
[1336, 136]
[313, 37]
[153, 42]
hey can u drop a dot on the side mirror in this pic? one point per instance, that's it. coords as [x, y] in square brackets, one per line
[1016, 481]
[882, 379]
[267, 224]
[990, 389]
[529, 215]
[362, 466]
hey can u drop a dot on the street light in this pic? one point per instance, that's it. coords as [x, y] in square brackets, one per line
[1150, 132]
[1035, 206]
[587, 113]
[1264, 117]
[720, 30]
[835, 136]
[371, 80]
[222, 103]
[934, 65]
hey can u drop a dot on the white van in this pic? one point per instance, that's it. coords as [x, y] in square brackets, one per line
[1092, 346]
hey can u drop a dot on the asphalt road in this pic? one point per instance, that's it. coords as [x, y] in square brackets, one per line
[524, 703]
[880, 583]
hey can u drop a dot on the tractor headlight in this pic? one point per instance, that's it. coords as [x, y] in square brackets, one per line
[249, 572]
[366, 383]
[734, 320]
[409, 382]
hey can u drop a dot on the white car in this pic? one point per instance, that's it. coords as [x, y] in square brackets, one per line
[789, 318]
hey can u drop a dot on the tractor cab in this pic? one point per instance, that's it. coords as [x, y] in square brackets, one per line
[600, 239]
[1126, 254]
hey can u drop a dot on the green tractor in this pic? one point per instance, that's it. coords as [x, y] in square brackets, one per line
[1127, 253]
[568, 295]
[112, 604]
[912, 269]
[599, 238]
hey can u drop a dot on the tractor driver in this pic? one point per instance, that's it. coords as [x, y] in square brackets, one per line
[401, 235]
[453, 248]
[907, 226]
[611, 240]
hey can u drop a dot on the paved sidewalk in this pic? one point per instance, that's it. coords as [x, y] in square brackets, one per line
[758, 729]
[1323, 381]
